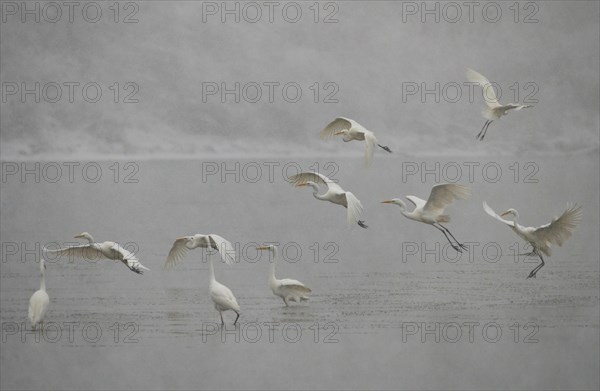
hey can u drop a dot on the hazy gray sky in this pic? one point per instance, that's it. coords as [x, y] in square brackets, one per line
[372, 56]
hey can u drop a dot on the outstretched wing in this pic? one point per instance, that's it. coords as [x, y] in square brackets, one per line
[224, 247]
[334, 126]
[303, 177]
[177, 252]
[370, 145]
[129, 259]
[488, 90]
[443, 195]
[354, 207]
[491, 212]
[84, 251]
[561, 228]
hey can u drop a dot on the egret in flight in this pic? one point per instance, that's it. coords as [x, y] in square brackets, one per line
[287, 289]
[556, 232]
[431, 211]
[495, 110]
[352, 130]
[334, 194]
[93, 251]
[38, 303]
[221, 296]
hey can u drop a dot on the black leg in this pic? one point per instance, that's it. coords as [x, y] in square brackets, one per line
[485, 132]
[481, 131]
[385, 148]
[222, 323]
[236, 318]
[362, 224]
[534, 271]
[457, 242]
[449, 241]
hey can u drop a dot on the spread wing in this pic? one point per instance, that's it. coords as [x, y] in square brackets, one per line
[443, 195]
[303, 177]
[561, 228]
[417, 202]
[354, 207]
[128, 259]
[491, 212]
[370, 144]
[334, 126]
[224, 247]
[488, 90]
[84, 251]
[294, 285]
[177, 252]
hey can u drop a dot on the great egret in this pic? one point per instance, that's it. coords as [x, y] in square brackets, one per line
[38, 303]
[221, 296]
[431, 211]
[93, 251]
[286, 288]
[352, 130]
[495, 110]
[556, 232]
[334, 194]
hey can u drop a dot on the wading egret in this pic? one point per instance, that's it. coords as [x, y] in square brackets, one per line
[431, 211]
[495, 110]
[221, 296]
[286, 288]
[93, 251]
[352, 130]
[334, 194]
[556, 232]
[38, 303]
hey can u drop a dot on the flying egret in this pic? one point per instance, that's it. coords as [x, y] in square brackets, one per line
[93, 251]
[286, 288]
[221, 296]
[352, 130]
[334, 194]
[38, 303]
[431, 211]
[495, 110]
[540, 238]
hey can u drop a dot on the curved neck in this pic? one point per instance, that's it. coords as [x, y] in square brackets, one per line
[272, 266]
[211, 269]
[403, 210]
[315, 191]
[89, 238]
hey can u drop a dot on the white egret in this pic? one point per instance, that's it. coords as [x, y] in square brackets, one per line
[38, 303]
[93, 251]
[495, 110]
[221, 295]
[352, 130]
[556, 232]
[431, 211]
[334, 194]
[286, 288]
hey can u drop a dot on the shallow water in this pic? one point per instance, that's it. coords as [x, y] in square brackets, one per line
[389, 309]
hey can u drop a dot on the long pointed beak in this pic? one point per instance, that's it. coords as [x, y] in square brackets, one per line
[78, 236]
[387, 202]
[505, 213]
[183, 237]
[301, 184]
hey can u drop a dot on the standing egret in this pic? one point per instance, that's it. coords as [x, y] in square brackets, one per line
[334, 194]
[431, 211]
[352, 130]
[38, 303]
[556, 232]
[286, 288]
[93, 251]
[495, 110]
[221, 296]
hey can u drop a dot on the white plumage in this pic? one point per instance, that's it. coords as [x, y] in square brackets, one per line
[93, 251]
[287, 289]
[541, 238]
[38, 303]
[432, 211]
[352, 130]
[334, 194]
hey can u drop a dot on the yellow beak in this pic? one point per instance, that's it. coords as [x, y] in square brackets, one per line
[505, 213]
[387, 202]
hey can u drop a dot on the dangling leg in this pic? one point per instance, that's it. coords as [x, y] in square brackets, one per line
[236, 318]
[457, 242]
[481, 131]
[449, 241]
[285, 301]
[385, 148]
[222, 322]
[485, 132]
[362, 224]
[534, 271]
